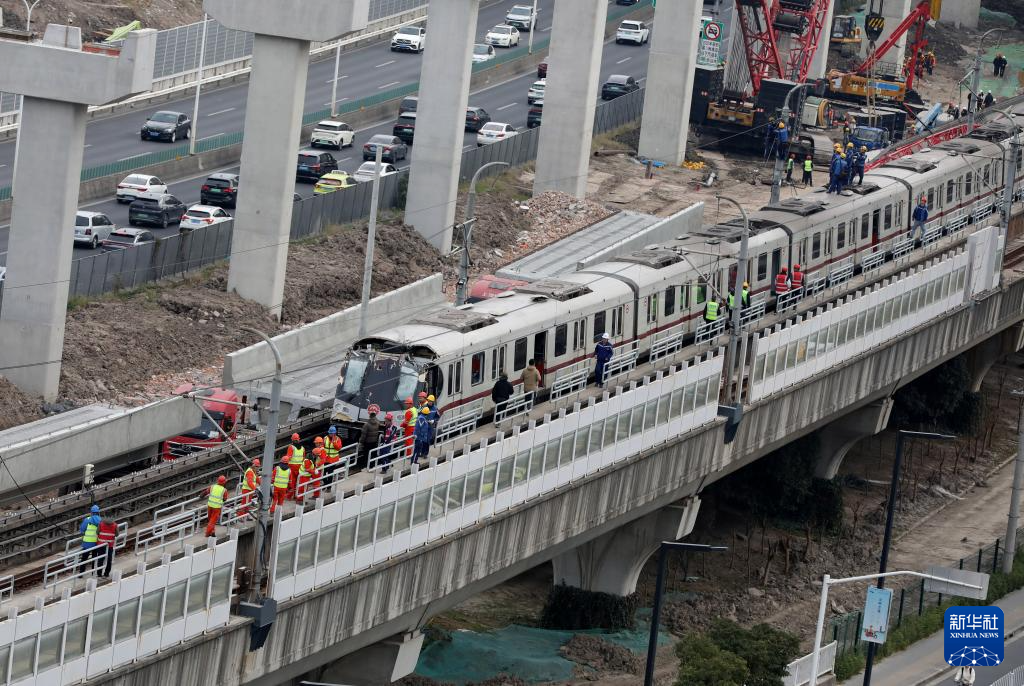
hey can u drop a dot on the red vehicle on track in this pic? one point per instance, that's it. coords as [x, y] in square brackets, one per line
[221, 405]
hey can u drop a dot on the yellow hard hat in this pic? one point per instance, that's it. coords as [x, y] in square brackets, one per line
[849, 145]
[425, 410]
[838, 146]
[431, 398]
[782, 124]
[746, 284]
[843, 155]
[863, 148]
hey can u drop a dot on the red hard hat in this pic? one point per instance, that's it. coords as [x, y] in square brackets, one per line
[284, 461]
[796, 266]
[783, 269]
[255, 462]
[319, 440]
[295, 437]
[389, 416]
[423, 394]
[373, 409]
[222, 479]
[408, 401]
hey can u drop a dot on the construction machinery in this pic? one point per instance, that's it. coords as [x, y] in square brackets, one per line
[846, 35]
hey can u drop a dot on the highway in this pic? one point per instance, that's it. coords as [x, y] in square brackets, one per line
[364, 71]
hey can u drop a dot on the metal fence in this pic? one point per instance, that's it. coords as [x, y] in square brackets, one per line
[174, 255]
[911, 601]
[1014, 678]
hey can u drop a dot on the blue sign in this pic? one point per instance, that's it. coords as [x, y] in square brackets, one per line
[974, 636]
[876, 615]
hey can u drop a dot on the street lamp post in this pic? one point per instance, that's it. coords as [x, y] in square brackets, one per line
[533, 27]
[741, 277]
[334, 83]
[779, 161]
[1013, 517]
[976, 79]
[462, 286]
[663, 550]
[371, 239]
[28, 14]
[890, 514]
[199, 87]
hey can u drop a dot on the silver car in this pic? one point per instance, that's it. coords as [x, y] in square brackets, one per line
[92, 228]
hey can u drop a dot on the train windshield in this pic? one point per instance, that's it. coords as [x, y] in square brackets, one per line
[386, 381]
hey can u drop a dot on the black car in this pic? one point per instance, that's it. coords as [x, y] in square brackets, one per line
[626, 2]
[476, 117]
[405, 127]
[618, 85]
[313, 164]
[220, 189]
[157, 210]
[534, 114]
[394, 148]
[166, 126]
[408, 105]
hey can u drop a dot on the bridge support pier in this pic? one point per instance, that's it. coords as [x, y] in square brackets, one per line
[611, 563]
[577, 39]
[819, 63]
[894, 11]
[381, 663]
[837, 438]
[981, 357]
[666, 118]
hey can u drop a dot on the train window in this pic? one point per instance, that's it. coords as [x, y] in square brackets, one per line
[652, 308]
[852, 236]
[599, 323]
[841, 235]
[969, 183]
[931, 199]
[497, 362]
[519, 357]
[888, 214]
[950, 191]
[1020, 159]
[701, 294]
[670, 301]
[985, 175]
[865, 227]
[476, 371]
[816, 246]
[899, 213]
[561, 339]
[762, 267]
[616, 322]
[455, 378]
[828, 242]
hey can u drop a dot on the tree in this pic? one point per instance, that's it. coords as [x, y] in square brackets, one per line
[702, 663]
[940, 400]
[767, 651]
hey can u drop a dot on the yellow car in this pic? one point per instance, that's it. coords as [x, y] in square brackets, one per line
[333, 181]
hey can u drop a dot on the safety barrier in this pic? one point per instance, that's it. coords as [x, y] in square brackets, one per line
[980, 210]
[1014, 678]
[620, 364]
[175, 509]
[957, 220]
[175, 529]
[872, 262]
[386, 455]
[814, 283]
[568, 384]
[789, 299]
[840, 272]
[902, 247]
[666, 346]
[755, 311]
[513, 407]
[709, 331]
[72, 566]
[931, 235]
[120, 540]
[6, 587]
[237, 507]
[453, 427]
[798, 672]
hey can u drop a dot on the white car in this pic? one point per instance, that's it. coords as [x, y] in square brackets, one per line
[522, 17]
[409, 39]
[335, 134]
[633, 32]
[494, 132]
[199, 216]
[91, 228]
[536, 91]
[483, 53]
[366, 171]
[503, 36]
[135, 185]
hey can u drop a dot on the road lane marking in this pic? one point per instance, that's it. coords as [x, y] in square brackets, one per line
[624, 59]
[213, 135]
[340, 100]
[389, 85]
[546, 29]
[505, 107]
[345, 160]
[214, 114]
[130, 157]
[343, 76]
[385, 64]
[87, 145]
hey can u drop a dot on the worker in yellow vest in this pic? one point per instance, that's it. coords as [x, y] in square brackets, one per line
[296, 454]
[282, 480]
[411, 415]
[250, 482]
[217, 493]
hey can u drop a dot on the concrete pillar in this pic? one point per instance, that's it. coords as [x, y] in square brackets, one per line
[836, 439]
[377, 664]
[58, 83]
[673, 56]
[981, 357]
[963, 14]
[440, 122]
[819, 61]
[577, 36]
[273, 122]
[894, 11]
[612, 562]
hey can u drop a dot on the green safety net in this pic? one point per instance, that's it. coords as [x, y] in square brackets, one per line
[121, 32]
[1007, 86]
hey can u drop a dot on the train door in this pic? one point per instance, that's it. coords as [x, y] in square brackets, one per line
[776, 262]
[876, 225]
[540, 350]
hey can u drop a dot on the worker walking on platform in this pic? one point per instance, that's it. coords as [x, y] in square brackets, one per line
[782, 281]
[370, 436]
[217, 494]
[796, 281]
[307, 471]
[90, 530]
[106, 540]
[409, 418]
[920, 216]
[789, 167]
[808, 171]
[424, 435]
[282, 481]
[435, 415]
[392, 434]
[296, 454]
[332, 455]
[250, 482]
[603, 353]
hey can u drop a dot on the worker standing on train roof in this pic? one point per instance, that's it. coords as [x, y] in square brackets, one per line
[858, 164]
[409, 425]
[296, 454]
[217, 494]
[90, 530]
[282, 482]
[603, 353]
[797, 279]
[250, 482]
[835, 172]
[782, 281]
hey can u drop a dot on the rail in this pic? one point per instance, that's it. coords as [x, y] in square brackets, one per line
[799, 671]
[872, 262]
[177, 529]
[175, 508]
[754, 311]
[789, 299]
[6, 588]
[958, 220]
[72, 566]
[1014, 678]
[387, 454]
[814, 284]
[514, 406]
[841, 272]
[568, 384]
[120, 540]
[931, 235]
[709, 331]
[902, 248]
[663, 348]
[980, 210]
[623, 363]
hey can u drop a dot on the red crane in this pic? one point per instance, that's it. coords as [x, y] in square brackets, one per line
[918, 19]
[762, 25]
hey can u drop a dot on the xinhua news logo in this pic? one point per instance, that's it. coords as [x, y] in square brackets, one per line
[974, 636]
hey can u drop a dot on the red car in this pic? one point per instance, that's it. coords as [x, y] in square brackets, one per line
[488, 286]
[222, 404]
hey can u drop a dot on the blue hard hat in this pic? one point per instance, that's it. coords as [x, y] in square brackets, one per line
[332, 430]
[94, 509]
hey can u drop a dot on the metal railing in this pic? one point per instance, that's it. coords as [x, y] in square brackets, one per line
[814, 284]
[6, 588]
[176, 529]
[754, 311]
[902, 247]
[708, 331]
[513, 407]
[872, 262]
[73, 565]
[622, 363]
[666, 346]
[175, 509]
[457, 426]
[957, 220]
[799, 671]
[931, 235]
[1014, 678]
[567, 384]
[841, 272]
[120, 540]
[386, 455]
[981, 209]
[789, 299]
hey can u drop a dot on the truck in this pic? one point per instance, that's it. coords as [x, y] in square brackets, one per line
[871, 137]
[224, 407]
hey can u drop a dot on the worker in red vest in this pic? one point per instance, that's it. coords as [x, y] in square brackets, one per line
[217, 494]
[797, 280]
[250, 482]
[307, 472]
[782, 282]
[282, 480]
[107, 539]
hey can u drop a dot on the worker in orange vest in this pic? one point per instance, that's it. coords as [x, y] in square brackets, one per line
[296, 454]
[250, 482]
[782, 282]
[217, 494]
[409, 425]
[282, 482]
[332, 455]
[307, 472]
[797, 280]
[319, 473]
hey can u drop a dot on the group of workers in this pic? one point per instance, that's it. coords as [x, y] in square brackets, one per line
[99, 538]
[845, 165]
[784, 283]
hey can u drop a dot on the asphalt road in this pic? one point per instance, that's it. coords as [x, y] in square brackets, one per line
[506, 102]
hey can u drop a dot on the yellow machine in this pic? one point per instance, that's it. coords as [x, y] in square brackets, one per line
[858, 86]
[845, 30]
[732, 112]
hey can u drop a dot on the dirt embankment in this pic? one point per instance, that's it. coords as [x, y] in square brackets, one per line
[98, 19]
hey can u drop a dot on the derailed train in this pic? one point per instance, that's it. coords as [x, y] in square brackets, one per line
[457, 353]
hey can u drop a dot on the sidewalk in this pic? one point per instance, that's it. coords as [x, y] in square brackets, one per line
[922, 663]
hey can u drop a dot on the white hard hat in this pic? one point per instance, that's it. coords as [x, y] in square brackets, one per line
[605, 336]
